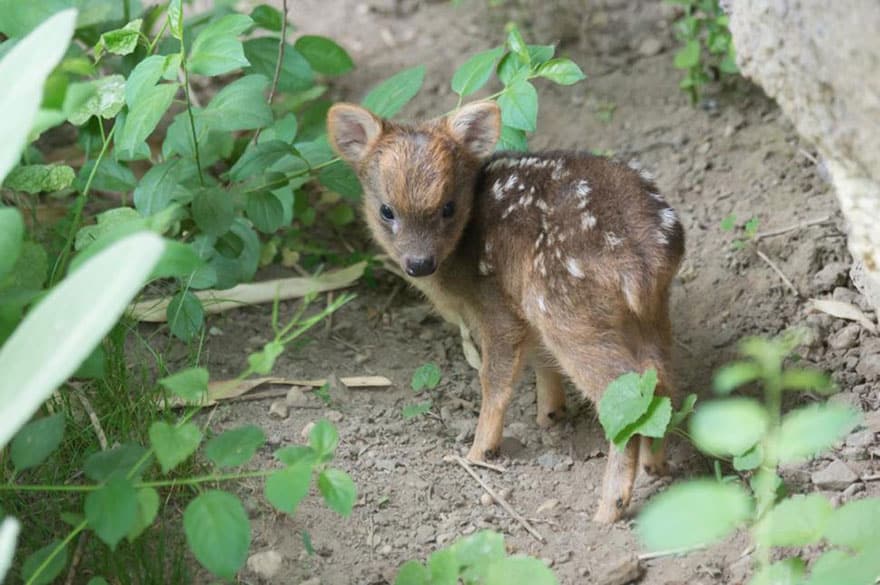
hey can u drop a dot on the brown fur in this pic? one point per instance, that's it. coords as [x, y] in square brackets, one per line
[561, 260]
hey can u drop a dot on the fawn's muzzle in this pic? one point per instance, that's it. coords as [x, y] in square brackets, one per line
[420, 266]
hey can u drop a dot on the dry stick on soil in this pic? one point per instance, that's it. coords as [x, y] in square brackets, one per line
[513, 513]
[93, 417]
[867, 478]
[791, 228]
[281, 42]
[670, 553]
[779, 272]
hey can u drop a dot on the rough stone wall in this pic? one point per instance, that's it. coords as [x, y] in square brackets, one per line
[820, 60]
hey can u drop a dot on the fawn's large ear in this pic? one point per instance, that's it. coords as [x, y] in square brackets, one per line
[352, 130]
[477, 126]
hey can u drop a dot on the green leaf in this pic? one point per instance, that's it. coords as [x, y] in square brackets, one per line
[94, 366]
[412, 573]
[728, 427]
[236, 446]
[217, 50]
[519, 569]
[475, 72]
[120, 460]
[324, 438]
[239, 106]
[173, 444]
[693, 513]
[625, 401]
[267, 17]
[338, 490]
[122, 41]
[185, 315]
[293, 454]
[835, 567]
[266, 211]
[796, 521]
[190, 384]
[685, 411]
[540, 54]
[808, 431]
[112, 510]
[732, 376]
[143, 117]
[651, 424]
[340, 177]
[35, 179]
[512, 139]
[787, 572]
[476, 552]
[688, 56]
[108, 222]
[414, 410]
[287, 487]
[728, 223]
[561, 71]
[427, 376]
[175, 18]
[11, 236]
[102, 98]
[218, 532]
[257, 158]
[806, 379]
[97, 581]
[147, 509]
[443, 568]
[511, 69]
[324, 55]
[36, 441]
[296, 73]
[110, 176]
[749, 460]
[263, 361]
[854, 525]
[145, 76]
[30, 269]
[213, 211]
[36, 560]
[389, 97]
[518, 45]
[165, 183]
[519, 106]
[179, 261]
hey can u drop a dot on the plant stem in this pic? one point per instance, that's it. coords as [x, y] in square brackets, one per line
[67, 540]
[205, 479]
[189, 111]
[278, 183]
[282, 41]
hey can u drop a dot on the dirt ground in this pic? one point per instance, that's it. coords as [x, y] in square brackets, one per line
[733, 154]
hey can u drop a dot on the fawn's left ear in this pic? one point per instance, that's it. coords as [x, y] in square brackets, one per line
[477, 127]
[352, 131]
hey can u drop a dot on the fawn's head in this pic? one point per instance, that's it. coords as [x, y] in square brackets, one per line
[418, 180]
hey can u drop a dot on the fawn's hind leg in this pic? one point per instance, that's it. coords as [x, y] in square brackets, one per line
[652, 456]
[551, 395]
[617, 484]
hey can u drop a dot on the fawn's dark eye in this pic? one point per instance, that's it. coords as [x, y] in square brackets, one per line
[449, 209]
[386, 212]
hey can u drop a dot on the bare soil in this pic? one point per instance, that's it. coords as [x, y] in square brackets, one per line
[735, 153]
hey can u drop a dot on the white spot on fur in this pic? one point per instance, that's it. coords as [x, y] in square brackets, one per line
[668, 218]
[582, 189]
[483, 268]
[574, 267]
[539, 240]
[588, 221]
[542, 205]
[657, 197]
[630, 293]
[488, 247]
[498, 163]
[613, 240]
[542, 304]
[498, 190]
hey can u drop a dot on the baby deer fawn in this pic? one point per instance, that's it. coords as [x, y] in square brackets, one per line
[559, 259]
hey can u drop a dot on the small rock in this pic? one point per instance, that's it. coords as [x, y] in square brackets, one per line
[845, 338]
[549, 460]
[307, 430]
[547, 505]
[836, 476]
[278, 409]
[869, 366]
[338, 391]
[486, 499]
[385, 550]
[335, 416]
[623, 572]
[650, 46]
[425, 534]
[845, 295]
[861, 439]
[830, 276]
[265, 564]
[872, 421]
[296, 398]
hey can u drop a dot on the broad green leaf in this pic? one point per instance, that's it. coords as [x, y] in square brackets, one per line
[294, 454]
[418, 409]
[30, 269]
[476, 552]
[236, 446]
[147, 509]
[102, 465]
[213, 211]
[512, 139]
[324, 438]
[835, 567]
[805, 379]
[443, 567]
[787, 572]
[338, 490]
[475, 72]
[35, 179]
[122, 41]
[266, 211]
[239, 106]
[107, 222]
[218, 532]
[296, 73]
[179, 261]
[267, 17]
[519, 569]
[185, 315]
[651, 424]
[216, 49]
[144, 116]
[287, 487]
[263, 361]
[143, 78]
[540, 54]
[389, 97]
[511, 69]
[324, 55]
[110, 176]
[190, 384]
[11, 236]
[165, 183]
[519, 106]
[94, 366]
[728, 427]
[687, 407]
[102, 98]
[237, 263]
[412, 573]
[688, 56]
[854, 525]
[257, 158]
[340, 177]
[749, 460]
[734, 375]
[29, 63]
[173, 444]
[36, 560]
[112, 510]
[32, 368]
[518, 45]
[561, 71]
[36, 441]
[97, 581]
[808, 431]
[9, 529]
[426, 377]
[340, 215]
[625, 400]
[693, 513]
[797, 521]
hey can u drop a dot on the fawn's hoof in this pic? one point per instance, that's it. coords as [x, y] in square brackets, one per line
[478, 454]
[656, 468]
[609, 513]
[548, 419]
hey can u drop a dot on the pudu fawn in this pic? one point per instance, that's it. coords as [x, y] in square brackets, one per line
[559, 259]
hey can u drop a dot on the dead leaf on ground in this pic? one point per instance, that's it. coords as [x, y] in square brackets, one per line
[843, 310]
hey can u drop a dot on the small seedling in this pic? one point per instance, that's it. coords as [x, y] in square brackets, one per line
[426, 377]
[749, 230]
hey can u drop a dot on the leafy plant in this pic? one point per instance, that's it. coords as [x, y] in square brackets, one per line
[426, 377]
[479, 559]
[749, 230]
[707, 52]
[760, 438]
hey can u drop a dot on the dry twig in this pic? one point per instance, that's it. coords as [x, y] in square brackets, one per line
[779, 272]
[791, 228]
[670, 553]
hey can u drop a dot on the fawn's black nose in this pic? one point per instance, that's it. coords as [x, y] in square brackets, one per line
[420, 266]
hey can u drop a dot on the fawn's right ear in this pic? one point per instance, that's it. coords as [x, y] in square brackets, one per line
[352, 130]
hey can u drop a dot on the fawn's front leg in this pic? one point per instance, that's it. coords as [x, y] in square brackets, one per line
[502, 363]
[551, 395]
[617, 485]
